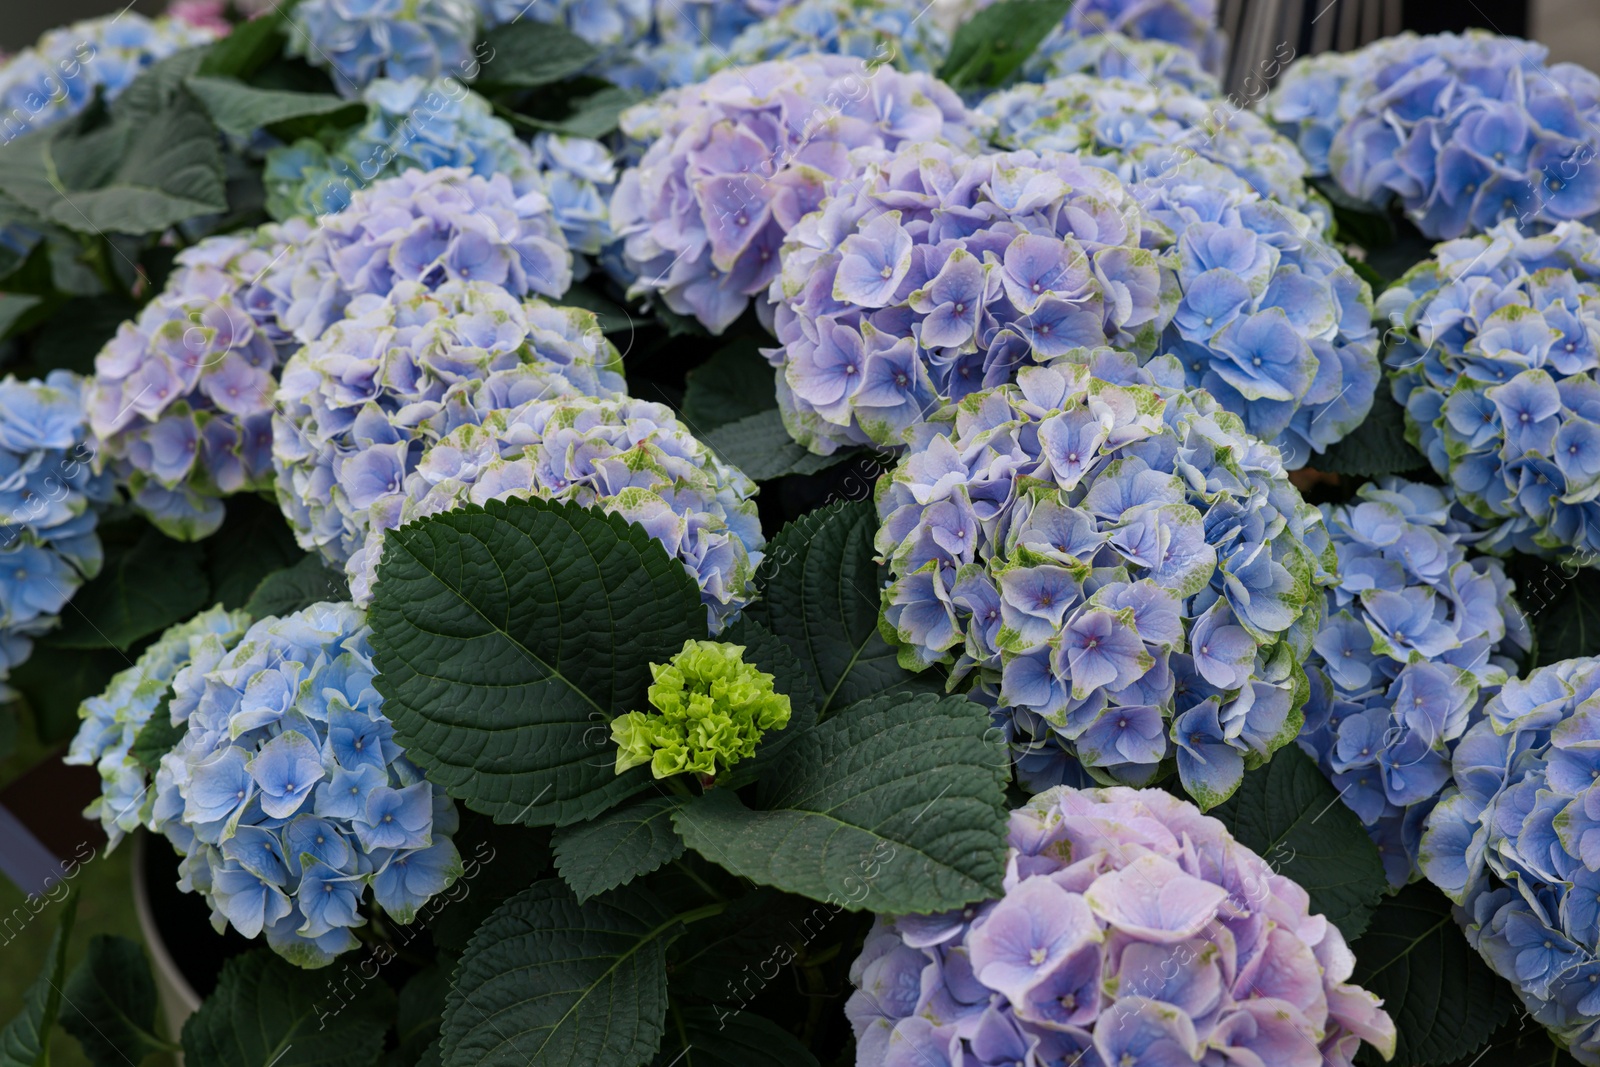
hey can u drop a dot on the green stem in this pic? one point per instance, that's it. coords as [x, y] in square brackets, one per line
[705, 912]
[711, 890]
[675, 784]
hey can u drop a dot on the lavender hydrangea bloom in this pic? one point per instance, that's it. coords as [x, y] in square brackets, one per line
[1127, 572]
[360, 404]
[734, 163]
[1133, 929]
[932, 274]
[1271, 320]
[1513, 843]
[113, 719]
[1388, 699]
[1190, 24]
[423, 226]
[357, 41]
[882, 31]
[1142, 130]
[48, 493]
[288, 797]
[630, 457]
[579, 176]
[603, 23]
[1495, 364]
[1115, 55]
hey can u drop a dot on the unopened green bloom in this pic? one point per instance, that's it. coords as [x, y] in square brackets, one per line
[711, 709]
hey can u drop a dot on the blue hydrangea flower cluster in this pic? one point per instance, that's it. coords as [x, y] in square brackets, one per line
[579, 175]
[603, 23]
[359, 405]
[288, 797]
[931, 275]
[48, 494]
[1115, 55]
[1128, 573]
[1271, 320]
[735, 162]
[1418, 635]
[898, 32]
[1140, 130]
[1190, 25]
[1133, 930]
[424, 226]
[1514, 844]
[630, 457]
[1464, 131]
[1494, 360]
[181, 398]
[357, 41]
[112, 720]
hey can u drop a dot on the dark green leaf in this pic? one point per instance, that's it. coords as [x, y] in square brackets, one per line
[14, 311]
[761, 934]
[527, 54]
[547, 982]
[1445, 1001]
[253, 543]
[623, 844]
[242, 109]
[763, 649]
[264, 1013]
[25, 1041]
[157, 737]
[1521, 1042]
[421, 1011]
[1290, 815]
[77, 332]
[507, 638]
[736, 382]
[821, 599]
[248, 46]
[760, 446]
[894, 805]
[140, 591]
[994, 43]
[593, 116]
[54, 681]
[498, 862]
[1563, 604]
[308, 582]
[709, 1037]
[110, 1003]
[612, 317]
[1377, 446]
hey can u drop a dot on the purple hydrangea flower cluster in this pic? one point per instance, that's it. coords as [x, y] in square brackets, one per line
[901, 32]
[1417, 637]
[1514, 844]
[1115, 55]
[735, 162]
[287, 795]
[1464, 131]
[48, 494]
[630, 457]
[1494, 359]
[181, 398]
[932, 274]
[1128, 573]
[1133, 930]
[357, 41]
[1190, 24]
[1271, 320]
[1142, 130]
[360, 404]
[579, 176]
[424, 226]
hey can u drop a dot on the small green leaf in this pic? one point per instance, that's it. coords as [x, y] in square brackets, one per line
[994, 43]
[110, 1003]
[612, 317]
[264, 1013]
[242, 109]
[1290, 815]
[54, 681]
[157, 737]
[593, 116]
[894, 805]
[1377, 446]
[527, 53]
[1445, 1001]
[821, 599]
[760, 446]
[253, 543]
[623, 844]
[308, 582]
[736, 382]
[25, 1041]
[1562, 600]
[506, 639]
[547, 982]
[76, 333]
[248, 46]
[718, 1037]
[141, 590]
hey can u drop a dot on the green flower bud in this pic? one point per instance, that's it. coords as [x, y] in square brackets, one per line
[712, 709]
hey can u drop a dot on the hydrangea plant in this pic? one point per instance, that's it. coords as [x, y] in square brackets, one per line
[113, 719]
[935, 274]
[735, 162]
[1271, 320]
[1127, 572]
[711, 708]
[884, 31]
[1464, 131]
[1190, 24]
[1116, 55]
[603, 23]
[1418, 635]
[1513, 844]
[288, 797]
[359, 405]
[357, 41]
[631, 457]
[48, 498]
[1133, 930]
[1494, 360]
